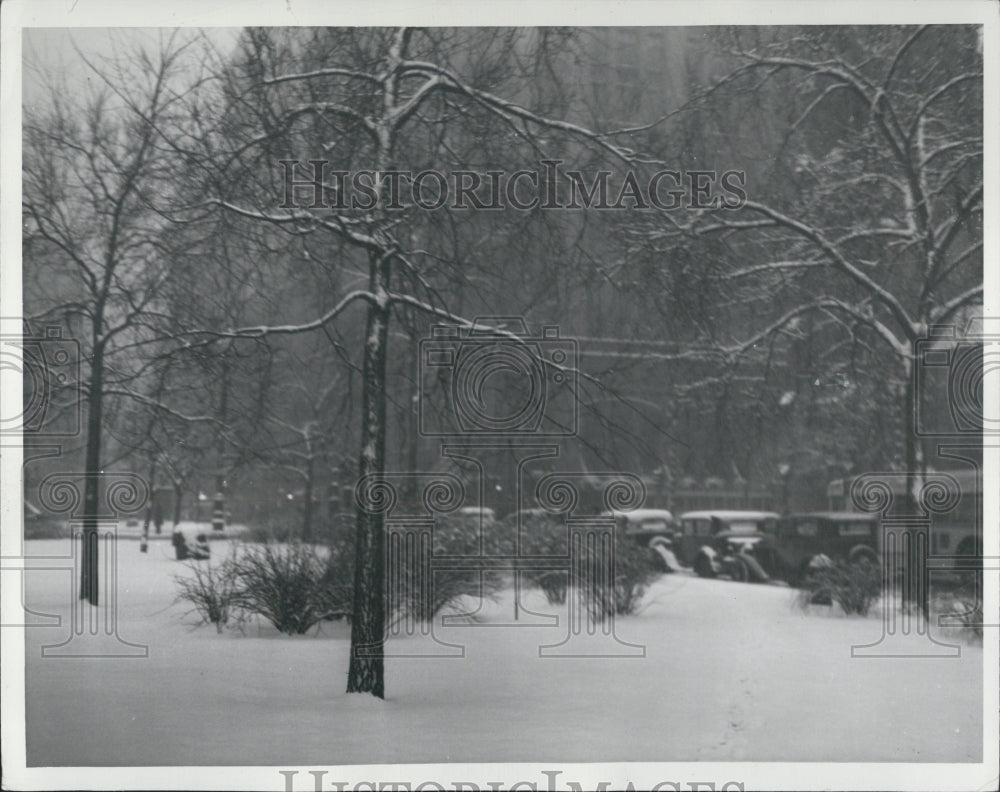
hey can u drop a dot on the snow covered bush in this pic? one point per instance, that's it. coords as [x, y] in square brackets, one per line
[283, 583]
[500, 537]
[544, 535]
[554, 584]
[213, 591]
[336, 589]
[855, 587]
[420, 592]
[959, 609]
[634, 569]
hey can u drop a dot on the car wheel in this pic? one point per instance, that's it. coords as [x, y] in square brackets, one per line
[703, 567]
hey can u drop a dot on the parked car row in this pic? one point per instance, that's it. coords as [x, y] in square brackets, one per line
[754, 546]
[746, 546]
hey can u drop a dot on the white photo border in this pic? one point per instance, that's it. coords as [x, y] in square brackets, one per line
[17, 15]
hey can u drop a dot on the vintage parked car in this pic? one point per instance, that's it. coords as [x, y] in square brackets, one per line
[718, 542]
[653, 528]
[800, 542]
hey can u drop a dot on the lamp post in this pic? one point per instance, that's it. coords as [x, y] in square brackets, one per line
[784, 469]
[202, 498]
[219, 504]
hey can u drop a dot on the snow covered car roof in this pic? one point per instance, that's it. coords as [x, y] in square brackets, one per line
[832, 515]
[724, 514]
[642, 514]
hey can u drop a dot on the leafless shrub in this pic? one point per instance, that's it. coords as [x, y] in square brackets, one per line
[213, 591]
[960, 610]
[634, 568]
[283, 583]
[855, 587]
[603, 593]
[421, 592]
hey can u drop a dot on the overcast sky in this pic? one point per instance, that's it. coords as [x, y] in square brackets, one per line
[53, 52]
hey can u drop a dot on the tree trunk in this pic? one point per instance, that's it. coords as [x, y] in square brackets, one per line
[915, 476]
[307, 507]
[913, 456]
[366, 673]
[89, 576]
[149, 506]
[178, 496]
[412, 430]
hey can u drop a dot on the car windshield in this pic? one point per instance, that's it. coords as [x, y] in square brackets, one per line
[742, 527]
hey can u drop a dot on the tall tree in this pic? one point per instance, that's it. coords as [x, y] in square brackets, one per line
[378, 100]
[93, 171]
[863, 223]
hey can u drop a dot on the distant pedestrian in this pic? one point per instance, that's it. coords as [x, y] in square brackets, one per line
[181, 549]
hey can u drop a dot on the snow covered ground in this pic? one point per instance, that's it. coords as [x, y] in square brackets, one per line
[731, 672]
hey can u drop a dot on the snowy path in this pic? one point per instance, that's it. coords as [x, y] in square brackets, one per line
[731, 672]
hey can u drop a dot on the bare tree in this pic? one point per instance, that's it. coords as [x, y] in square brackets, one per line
[93, 171]
[866, 220]
[384, 96]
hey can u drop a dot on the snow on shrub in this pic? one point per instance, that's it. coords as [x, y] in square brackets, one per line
[420, 592]
[212, 590]
[542, 535]
[554, 584]
[545, 535]
[283, 583]
[959, 610]
[854, 586]
[634, 569]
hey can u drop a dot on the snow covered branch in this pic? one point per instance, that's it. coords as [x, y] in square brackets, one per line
[262, 331]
